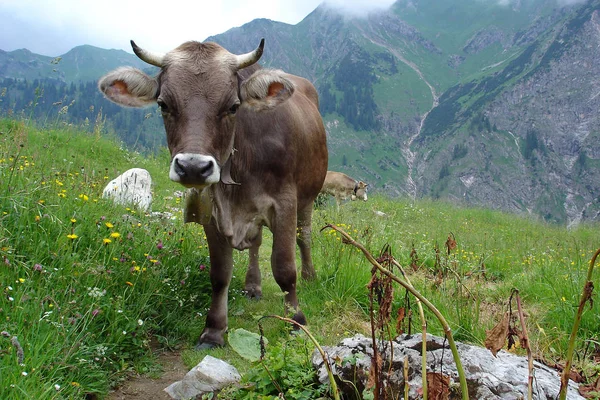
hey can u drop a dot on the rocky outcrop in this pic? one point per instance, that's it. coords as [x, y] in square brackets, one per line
[502, 377]
[485, 38]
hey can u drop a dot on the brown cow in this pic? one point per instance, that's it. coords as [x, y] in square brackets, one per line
[341, 186]
[250, 146]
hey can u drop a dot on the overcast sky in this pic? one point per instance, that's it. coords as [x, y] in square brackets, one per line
[53, 27]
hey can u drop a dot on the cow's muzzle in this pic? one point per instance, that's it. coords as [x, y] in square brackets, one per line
[194, 170]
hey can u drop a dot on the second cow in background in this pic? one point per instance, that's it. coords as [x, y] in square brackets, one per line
[342, 187]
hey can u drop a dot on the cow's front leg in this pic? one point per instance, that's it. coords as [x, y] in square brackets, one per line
[221, 267]
[283, 262]
[253, 287]
[304, 241]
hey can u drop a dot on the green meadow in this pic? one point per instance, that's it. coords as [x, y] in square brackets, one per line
[91, 290]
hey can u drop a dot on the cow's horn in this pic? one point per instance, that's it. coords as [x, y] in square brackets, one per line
[246, 60]
[147, 56]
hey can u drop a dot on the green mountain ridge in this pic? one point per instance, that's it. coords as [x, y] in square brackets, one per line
[466, 100]
[80, 64]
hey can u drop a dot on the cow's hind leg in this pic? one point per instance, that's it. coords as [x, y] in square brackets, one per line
[304, 241]
[221, 267]
[253, 281]
[283, 262]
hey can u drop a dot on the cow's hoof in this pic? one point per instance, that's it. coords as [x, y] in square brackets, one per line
[299, 318]
[253, 293]
[206, 346]
[253, 290]
[210, 339]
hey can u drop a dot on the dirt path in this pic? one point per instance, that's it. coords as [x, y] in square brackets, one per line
[146, 388]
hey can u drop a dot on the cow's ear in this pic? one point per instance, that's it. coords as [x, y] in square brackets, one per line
[129, 87]
[266, 89]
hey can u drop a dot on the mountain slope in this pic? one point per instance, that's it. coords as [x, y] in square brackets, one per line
[80, 64]
[531, 130]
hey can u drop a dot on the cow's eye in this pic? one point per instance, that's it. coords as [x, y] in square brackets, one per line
[163, 106]
[233, 109]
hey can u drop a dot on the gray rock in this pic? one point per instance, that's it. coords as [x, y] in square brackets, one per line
[209, 375]
[489, 378]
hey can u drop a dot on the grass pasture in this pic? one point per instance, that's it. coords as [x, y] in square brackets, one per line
[89, 289]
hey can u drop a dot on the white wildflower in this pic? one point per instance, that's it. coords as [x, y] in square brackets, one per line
[101, 349]
[96, 292]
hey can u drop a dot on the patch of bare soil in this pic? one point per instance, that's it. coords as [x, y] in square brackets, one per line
[145, 388]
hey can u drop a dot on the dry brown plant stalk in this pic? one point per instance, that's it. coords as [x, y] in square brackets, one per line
[15, 342]
[586, 296]
[347, 239]
[423, 332]
[524, 341]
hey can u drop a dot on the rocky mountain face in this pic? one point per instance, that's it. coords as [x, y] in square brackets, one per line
[530, 139]
[478, 101]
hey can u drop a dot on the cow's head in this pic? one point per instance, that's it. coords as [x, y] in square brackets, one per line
[360, 191]
[201, 91]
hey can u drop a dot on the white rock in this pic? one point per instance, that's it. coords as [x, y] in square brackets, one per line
[209, 375]
[133, 187]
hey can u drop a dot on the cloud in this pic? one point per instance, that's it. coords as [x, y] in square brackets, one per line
[560, 3]
[54, 27]
[569, 2]
[358, 8]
